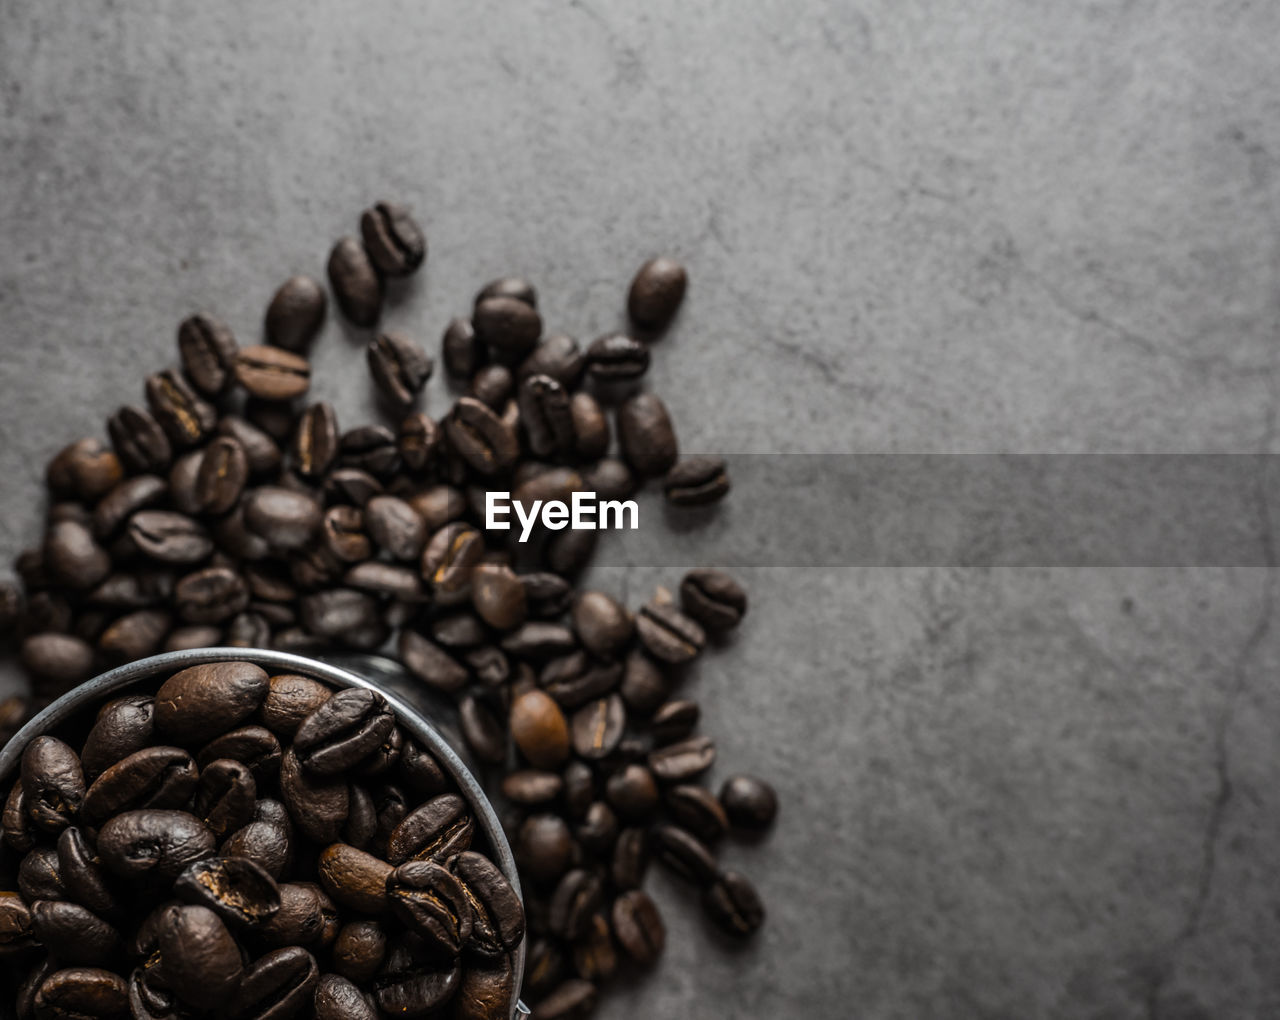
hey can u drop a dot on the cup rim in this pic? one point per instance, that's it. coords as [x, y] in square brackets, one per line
[99, 689]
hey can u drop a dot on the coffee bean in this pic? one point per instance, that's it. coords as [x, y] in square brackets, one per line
[632, 792]
[60, 659]
[480, 437]
[590, 426]
[208, 350]
[38, 877]
[151, 842]
[508, 325]
[296, 313]
[267, 840]
[656, 293]
[609, 478]
[123, 726]
[684, 854]
[286, 519]
[226, 796]
[19, 830]
[570, 550]
[317, 804]
[573, 1000]
[696, 481]
[83, 470]
[483, 729]
[393, 239]
[154, 777]
[647, 436]
[487, 991]
[498, 922]
[186, 417]
[546, 594]
[750, 803]
[169, 537]
[315, 441]
[449, 559]
[575, 900]
[301, 919]
[395, 526]
[556, 356]
[338, 612]
[201, 702]
[73, 558]
[370, 448]
[616, 356]
[630, 859]
[462, 353]
[355, 879]
[544, 847]
[539, 640]
[733, 903]
[696, 809]
[419, 441]
[674, 720]
[280, 983]
[76, 992]
[400, 367]
[430, 663]
[498, 595]
[437, 830]
[492, 385]
[125, 499]
[532, 787]
[713, 598]
[598, 727]
[603, 624]
[273, 374]
[539, 730]
[545, 414]
[359, 950]
[431, 902]
[211, 595]
[52, 783]
[355, 282]
[238, 890]
[342, 731]
[289, 700]
[201, 960]
[413, 984]
[82, 874]
[253, 746]
[668, 634]
[639, 927]
[509, 287]
[183, 477]
[598, 829]
[678, 763]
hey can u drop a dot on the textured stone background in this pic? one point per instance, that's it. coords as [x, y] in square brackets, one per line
[912, 226]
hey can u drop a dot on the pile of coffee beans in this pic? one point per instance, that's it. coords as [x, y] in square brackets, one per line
[228, 510]
[250, 846]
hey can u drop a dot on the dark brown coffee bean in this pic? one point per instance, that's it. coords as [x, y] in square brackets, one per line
[208, 351]
[82, 874]
[656, 293]
[576, 899]
[399, 366]
[463, 354]
[395, 526]
[750, 803]
[488, 665]
[226, 796]
[713, 598]
[668, 634]
[546, 594]
[267, 840]
[498, 596]
[139, 440]
[296, 313]
[639, 927]
[684, 854]
[301, 919]
[278, 984]
[211, 595]
[73, 558]
[186, 417]
[355, 879]
[678, 763]
[674, 720]
[359, 950]
[155, 843]
[545, 414]
[569, 551]
[487, 990]
[733, 903]
[81, 992]
[274, 374]
[315, 441]
[370, 448]
[248, 630]
[201, 960]
[647, 436]
[483, 730]
[130, 496]
[169, 537]
[340, 733]
[290, 699]
[632, 792]
[318, 805]
[253, 746]
[544, 967]
[393, 239]
[594, 957]
[696, 809]
[52, 784]
[616, 356]
[154, 777]
[59, 659]
[598, 829]
[492, 385]
[355, 282]
[480, 437]
[609, 478]
[498, 922]
[598, 727]
[343, 534]
[539, 730]
[437, 830]
[574, 680]
[630, 859]
[286, 519]
[431, 902]
[143, 589]
[532, 787]
[392, 579]
[573, 1000]
[603, 624]
[449, 558]
[507, 325]
[202, 702]
[19, 830]
[509, 287]
[38, 876]
[238, 890]
[590, 427]
[579, 788]
[430, 663]
[83, 470]
[539, 640]
[260, 450]
[420, 772]
[414, 985]
[123, 726]
[419, 441]
[544, 848]
[338, 612]
[696, 481]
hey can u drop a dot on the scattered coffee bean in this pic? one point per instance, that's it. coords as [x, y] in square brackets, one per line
[749, 802]
[272, 373]
[696, 481]
[400, 367]
[208, 350]
[656, 293]
[616, 356]
[296, 313]
[393, 239]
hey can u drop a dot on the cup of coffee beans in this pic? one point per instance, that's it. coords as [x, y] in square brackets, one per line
[250, 834]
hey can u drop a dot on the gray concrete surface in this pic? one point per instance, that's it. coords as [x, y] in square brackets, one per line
[912, 226]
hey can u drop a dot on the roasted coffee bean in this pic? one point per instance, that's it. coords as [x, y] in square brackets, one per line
[370, 448]
[169, 537]
[656, 293]
[52, 783]
[211, 595]
[19, 830]
[300, 921]
[380, 578]
[647, 436]
[545, 414]
[260, 450]
[579, 788]
[395, 526]
[590, 427]
[343, 534]
[594, 957]
[639, 927]
[186, 417]
[487, 990]
[598, 829]
[430, 663]
[539, 640]
[76, 992]
[151, 842]
[15, 925]
[632, 792]
[557, 356]
[696, 481]
[236, 540]
[137, 590]
[609, 478]
[684, 854]
[123, 501]
[253, 746]
[278, 984]
[532, 787]
[73, 558]
[616, 356]
[336, 998]
[290, 699]
[238, 890]
[437, 830]
[492, 385]
[544, 967]
[547, 595]
[59, 659]
[342, 731]
[315, 441]
[696, 809]
[201, 702]
[484, 732]
[498, 922]
[508, 325]
[361, 827]
[713, 598]
[247, 630]
[123, 726]
[750, 803]
[296, 313]
[139, 440]
[272, 373]
[338, 612]
[438, 505]
[431, 902]
[38, 876]
[399, 366]
[668, 634]
[419, 441]
[82, 875]
[267, 840]
[498, 596]
[570, 550]
[286, 519]
[83, 470]
[420, 771]
[574, 1000]
[674, 720]
[355, 879]
[414, 985]
[576, 899]
[598, 727]
[226, 796]
[733, 903]
[317, 804]
[603, 624]
[359, 950]
[201, 960]
[480, 437]
[544, 847]
[355, 282]
[630, 859]
[488, 665]
[680, 762]
[462, 353]
[154, 777]
[392, 239]
[539, 730]
[208, 351]
[449, 558]
[509, 287]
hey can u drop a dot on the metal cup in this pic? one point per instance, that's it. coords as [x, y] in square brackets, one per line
[422, 715]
